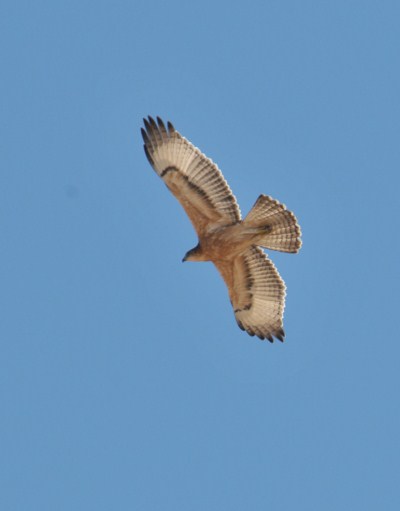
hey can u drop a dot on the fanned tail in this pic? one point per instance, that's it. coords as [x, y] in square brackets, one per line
[273, 226]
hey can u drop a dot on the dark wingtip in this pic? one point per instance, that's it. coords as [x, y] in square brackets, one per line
[152, 122]
[162, 129]
[280, 334]
[144, 135]
[149, 121]
[146, 123]
[148, 155]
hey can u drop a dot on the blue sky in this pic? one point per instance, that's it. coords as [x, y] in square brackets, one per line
[124, 380]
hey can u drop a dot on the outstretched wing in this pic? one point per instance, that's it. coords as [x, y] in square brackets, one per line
[257, 293]
[194, 179]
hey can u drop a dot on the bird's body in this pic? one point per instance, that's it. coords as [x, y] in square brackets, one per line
[222, 243]
[256, 290]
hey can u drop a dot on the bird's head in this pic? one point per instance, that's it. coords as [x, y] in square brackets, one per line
[194, 254]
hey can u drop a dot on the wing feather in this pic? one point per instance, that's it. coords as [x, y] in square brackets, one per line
[194, 179]
[257, 293]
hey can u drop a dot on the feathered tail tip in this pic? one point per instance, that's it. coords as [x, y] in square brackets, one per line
[273, 226]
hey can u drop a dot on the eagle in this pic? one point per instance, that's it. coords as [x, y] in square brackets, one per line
[256, 290]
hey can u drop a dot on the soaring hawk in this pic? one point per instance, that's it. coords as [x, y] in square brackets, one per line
[256, 290]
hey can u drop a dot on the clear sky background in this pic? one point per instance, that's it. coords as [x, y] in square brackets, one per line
[125, 382]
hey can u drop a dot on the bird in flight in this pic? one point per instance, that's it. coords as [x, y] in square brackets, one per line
[256, 290]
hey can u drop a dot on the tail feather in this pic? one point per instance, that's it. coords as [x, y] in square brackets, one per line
[274, 226]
